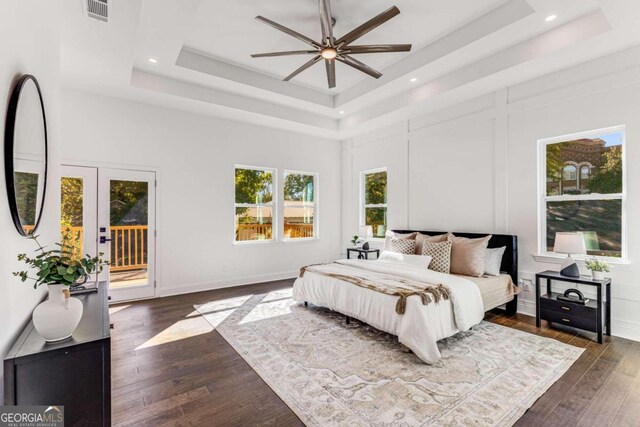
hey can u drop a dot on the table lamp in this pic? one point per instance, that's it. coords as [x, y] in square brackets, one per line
[569, 243]
[366, 231]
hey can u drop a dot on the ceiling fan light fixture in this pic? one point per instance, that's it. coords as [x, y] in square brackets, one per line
[329, 53]
[334, 50]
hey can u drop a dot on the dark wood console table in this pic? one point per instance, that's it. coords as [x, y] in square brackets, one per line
[75, 373]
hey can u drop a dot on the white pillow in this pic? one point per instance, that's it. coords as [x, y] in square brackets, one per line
[421, 261]
[493, 260]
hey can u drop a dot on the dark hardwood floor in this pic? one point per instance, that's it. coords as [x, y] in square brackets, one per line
[170, 368]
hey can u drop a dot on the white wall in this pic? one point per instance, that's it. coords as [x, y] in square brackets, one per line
[28, 45]
[195, 157]
[473, 167]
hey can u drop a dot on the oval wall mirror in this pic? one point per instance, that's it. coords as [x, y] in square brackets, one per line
[25, 156]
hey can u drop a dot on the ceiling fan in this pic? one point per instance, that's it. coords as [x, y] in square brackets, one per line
[331, 49]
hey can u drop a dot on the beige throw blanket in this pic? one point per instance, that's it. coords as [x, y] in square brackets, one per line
[380, 282]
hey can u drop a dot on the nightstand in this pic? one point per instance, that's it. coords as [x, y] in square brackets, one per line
[588, 317]
[363, 253]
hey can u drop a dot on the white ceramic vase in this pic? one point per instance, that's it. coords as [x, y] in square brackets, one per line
[57, 317]
[597, 275]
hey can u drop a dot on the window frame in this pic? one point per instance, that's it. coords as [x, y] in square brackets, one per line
[543, 254]
[364, 206]
[273, 205]
[316, 206]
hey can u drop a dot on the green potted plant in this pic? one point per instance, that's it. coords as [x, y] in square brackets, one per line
[597, 268]
[59, 269]
[355, 240]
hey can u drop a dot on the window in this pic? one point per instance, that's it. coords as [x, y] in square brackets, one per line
[596, 206]
[569, 173]
[254, 206]
[374, 200]
[584, 172]
[300, 205]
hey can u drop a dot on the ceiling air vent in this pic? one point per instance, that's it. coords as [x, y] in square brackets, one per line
[98, 9]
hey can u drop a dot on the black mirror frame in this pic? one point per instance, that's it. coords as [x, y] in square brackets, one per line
[9, 134]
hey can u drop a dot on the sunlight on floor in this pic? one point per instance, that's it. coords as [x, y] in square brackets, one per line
[280, 294]
[224, 304]
[180, 330]
[274, 304]
[118, 308]
[198, 322]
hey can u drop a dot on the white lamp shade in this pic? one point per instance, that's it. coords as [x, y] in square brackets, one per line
[570, 243]
[366, 231]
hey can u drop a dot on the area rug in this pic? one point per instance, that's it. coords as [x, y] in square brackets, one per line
[335, 374]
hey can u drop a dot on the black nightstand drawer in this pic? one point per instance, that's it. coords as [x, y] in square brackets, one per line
[594, 316]
[588, 324]
[588, 310]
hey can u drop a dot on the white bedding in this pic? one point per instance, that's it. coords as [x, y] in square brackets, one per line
[421, 326]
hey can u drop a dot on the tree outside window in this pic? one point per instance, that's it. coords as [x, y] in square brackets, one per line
[299, 205]
[591, 203]
[254, 205]
[374, 198]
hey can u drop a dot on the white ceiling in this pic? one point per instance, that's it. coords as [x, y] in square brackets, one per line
[232, 34]
[202, 47]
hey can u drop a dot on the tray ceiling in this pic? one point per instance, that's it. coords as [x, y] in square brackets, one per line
[461, 48]
[231, 34]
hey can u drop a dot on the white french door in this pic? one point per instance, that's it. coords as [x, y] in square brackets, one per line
[112, 211]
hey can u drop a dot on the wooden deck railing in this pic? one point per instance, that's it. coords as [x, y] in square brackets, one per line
[128, 245]
[265, 231]
[296, 231]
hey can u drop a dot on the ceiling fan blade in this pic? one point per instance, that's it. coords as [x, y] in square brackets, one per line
[377, 48]
[368, 26]
[331, 72]
[325, 21]
[345, 59]
[304, 67]
[286, 53]
[289, 31]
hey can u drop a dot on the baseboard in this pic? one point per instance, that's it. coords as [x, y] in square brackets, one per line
[625, 329]
[237, 281]
[526, 307]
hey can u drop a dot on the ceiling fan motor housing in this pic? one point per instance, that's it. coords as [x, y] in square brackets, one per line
[341, 49]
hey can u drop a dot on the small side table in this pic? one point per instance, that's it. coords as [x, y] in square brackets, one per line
[588, 317]
[363, 253]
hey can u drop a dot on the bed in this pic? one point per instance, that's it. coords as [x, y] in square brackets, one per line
[417, 324]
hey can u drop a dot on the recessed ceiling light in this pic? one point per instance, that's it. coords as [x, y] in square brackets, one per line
[550, 18]
[341, 111]
[413, 79]
[152, 60]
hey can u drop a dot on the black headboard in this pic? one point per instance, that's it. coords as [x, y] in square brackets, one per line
[510, 257]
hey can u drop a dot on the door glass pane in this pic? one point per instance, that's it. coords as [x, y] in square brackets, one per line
[254, 223]
[71, 214]
[129, 226]
[599, 220]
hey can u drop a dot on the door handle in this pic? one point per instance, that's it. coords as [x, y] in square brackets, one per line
[103, 239]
